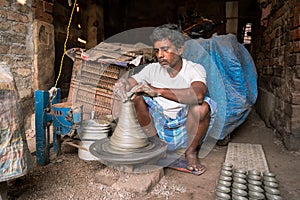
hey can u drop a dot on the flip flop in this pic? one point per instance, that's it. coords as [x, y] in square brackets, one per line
[181, 165]
[201, 171]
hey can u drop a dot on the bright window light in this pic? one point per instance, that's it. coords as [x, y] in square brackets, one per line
[23, 2]
[247, 33]
[81, 40]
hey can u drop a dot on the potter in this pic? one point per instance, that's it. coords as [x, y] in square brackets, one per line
[170, 97]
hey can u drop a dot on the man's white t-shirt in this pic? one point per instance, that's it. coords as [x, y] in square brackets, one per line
[157, 76]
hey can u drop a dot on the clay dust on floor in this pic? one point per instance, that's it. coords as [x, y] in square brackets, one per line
[68, 177]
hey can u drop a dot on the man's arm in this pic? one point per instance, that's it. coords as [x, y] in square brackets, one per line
[193, 95]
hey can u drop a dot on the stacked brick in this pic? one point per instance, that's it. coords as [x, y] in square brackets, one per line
[16, 47]
[277, 55]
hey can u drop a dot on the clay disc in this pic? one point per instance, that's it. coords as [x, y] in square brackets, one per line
[103, 150]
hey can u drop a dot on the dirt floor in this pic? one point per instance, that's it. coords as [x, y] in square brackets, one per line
[68, 177]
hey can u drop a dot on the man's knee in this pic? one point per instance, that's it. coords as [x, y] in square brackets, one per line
[139, 103]
[138, 99]
[202, 111]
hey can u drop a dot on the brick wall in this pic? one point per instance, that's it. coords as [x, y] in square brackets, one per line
[16, 48]
[277, 55]
[23, 47]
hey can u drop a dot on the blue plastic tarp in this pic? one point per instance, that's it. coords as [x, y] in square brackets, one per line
[231, 79]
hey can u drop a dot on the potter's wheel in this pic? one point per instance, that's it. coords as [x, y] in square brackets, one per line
[129, 148]
[107, 152]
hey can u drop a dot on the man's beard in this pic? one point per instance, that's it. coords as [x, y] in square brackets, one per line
[164, 63]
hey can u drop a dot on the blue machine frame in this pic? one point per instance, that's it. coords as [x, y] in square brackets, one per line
[47, 114]
[43, 120]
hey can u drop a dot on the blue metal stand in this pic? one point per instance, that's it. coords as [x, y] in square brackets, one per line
[43, 120]
[47, 112]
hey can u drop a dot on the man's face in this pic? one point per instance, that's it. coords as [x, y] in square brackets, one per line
[167, 54]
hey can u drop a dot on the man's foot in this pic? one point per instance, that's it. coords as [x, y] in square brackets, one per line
[193, 162]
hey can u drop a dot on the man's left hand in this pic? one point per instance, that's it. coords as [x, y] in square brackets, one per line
[145, 89]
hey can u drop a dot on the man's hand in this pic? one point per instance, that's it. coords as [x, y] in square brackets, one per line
[120, 89]
[144, 89]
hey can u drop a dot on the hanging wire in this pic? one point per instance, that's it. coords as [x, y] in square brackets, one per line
[65, 44]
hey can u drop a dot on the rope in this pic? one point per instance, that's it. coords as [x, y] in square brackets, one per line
[65, 44]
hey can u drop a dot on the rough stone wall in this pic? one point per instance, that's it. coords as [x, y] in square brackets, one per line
[43, 39]
[16, 49]
[276, 50]
[44, 48]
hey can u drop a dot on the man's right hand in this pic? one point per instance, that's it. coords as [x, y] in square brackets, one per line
[120, 89]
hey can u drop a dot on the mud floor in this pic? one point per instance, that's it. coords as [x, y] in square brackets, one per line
[68, 177]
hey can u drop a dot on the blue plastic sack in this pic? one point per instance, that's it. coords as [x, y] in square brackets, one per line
[231, 79]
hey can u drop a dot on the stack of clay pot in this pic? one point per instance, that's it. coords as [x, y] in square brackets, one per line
[90, 131]
[255, 185]
[238, 184]
[271, 186]
[224, 184]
